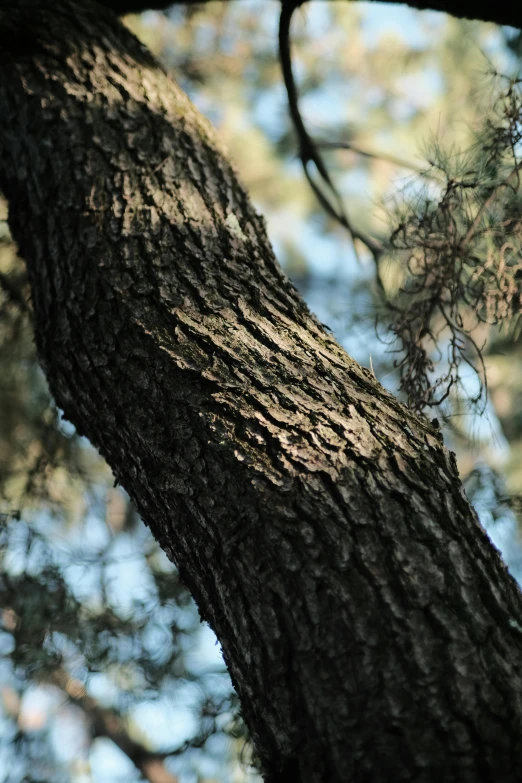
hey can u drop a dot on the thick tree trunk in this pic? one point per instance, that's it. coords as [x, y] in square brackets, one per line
[370, 628]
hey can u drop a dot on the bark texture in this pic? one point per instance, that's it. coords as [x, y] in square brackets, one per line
[370, 628]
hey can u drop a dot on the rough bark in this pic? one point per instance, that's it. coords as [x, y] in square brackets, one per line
[370, 628]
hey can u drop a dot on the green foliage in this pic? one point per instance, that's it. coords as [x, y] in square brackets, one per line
[458, 244]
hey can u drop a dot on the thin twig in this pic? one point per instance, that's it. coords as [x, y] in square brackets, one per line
[308, 149]
[347, 145]
[487, 203]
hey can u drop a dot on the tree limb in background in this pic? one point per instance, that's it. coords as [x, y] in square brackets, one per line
[103, 722]
[34, 607]
[309, 154]
[504, 12]
[107, 723]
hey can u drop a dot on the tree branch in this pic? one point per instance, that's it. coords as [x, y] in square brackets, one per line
[503, 12]
[107, 723]
[324, 189]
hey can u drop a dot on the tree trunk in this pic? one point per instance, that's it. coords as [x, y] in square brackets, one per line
[370, 628]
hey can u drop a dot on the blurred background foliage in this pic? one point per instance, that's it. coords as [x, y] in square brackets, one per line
[106, 672]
